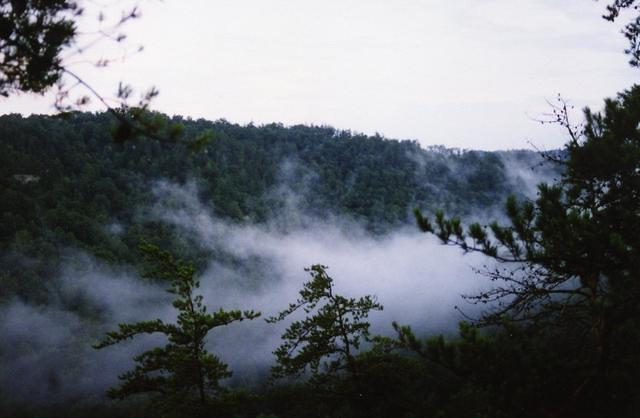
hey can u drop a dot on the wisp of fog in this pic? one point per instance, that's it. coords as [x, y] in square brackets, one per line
[417, 279]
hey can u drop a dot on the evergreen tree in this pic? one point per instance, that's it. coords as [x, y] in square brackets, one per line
[327, 340]
[569, 260]
[184, 374]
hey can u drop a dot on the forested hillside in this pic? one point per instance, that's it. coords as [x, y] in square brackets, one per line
[66, 184]
[86, 257]
[164, 267]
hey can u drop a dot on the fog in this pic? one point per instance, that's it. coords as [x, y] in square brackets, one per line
[418, 280]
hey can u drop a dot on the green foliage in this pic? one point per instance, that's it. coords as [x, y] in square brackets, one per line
[32, 35]
[183, 373]
[87, 193]
[328, 338]
[139, 122]
[569, 260]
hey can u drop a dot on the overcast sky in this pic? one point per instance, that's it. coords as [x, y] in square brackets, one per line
[463, 73]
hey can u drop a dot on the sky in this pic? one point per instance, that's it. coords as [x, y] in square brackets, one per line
[465, 73]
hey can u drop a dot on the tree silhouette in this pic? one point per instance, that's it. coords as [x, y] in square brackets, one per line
[183, 373]
[326, 341]
[569, 259]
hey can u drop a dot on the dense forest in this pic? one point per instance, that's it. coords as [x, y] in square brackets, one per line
[65, 182]
[71, 192]
[156, 266]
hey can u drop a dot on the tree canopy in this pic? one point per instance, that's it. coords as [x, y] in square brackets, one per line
[79, 184]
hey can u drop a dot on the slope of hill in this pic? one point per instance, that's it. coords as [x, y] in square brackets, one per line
[66, 184]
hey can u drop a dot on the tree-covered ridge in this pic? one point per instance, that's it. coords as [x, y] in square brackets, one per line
[64, 182]
[371, 177]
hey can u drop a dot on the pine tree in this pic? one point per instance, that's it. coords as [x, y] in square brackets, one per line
[327, 340]
[183, 373]
[569, 260]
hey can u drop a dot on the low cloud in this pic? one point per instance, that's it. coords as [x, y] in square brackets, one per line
[418, 280]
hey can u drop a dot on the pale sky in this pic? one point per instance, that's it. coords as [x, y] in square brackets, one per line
[463, 73]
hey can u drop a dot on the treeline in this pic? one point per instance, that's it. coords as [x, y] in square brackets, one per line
[66, 184]
[559, 337]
